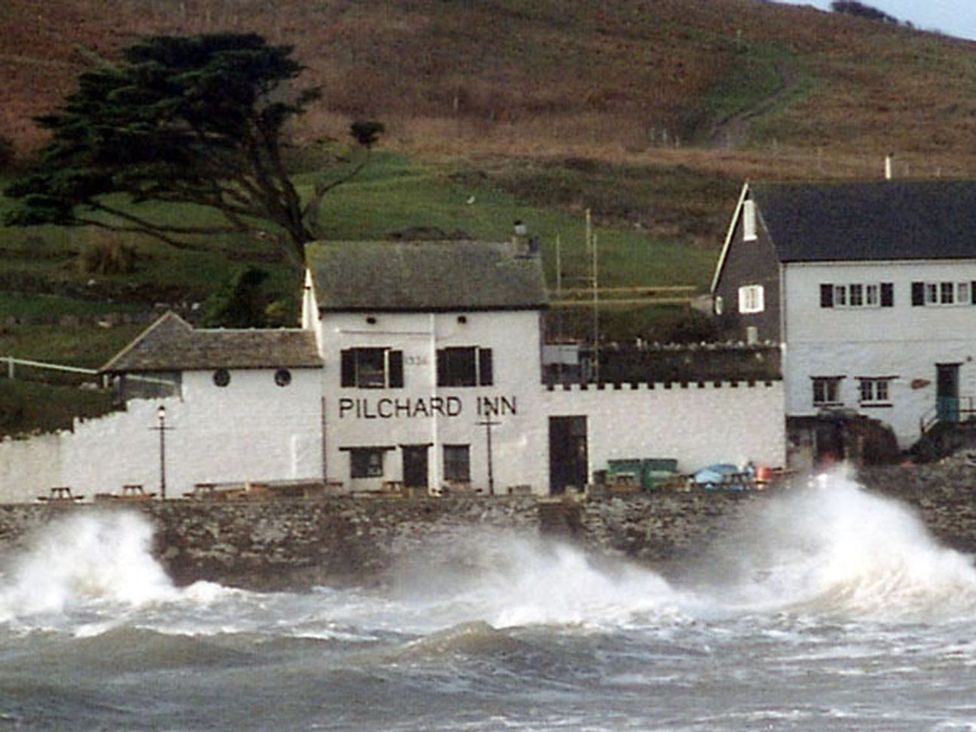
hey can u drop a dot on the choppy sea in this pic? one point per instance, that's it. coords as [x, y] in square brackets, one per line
[829, 609]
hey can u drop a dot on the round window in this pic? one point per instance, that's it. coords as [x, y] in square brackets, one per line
[221, 377]
[282, 377]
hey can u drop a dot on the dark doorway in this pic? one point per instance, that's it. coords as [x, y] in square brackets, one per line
[415, 466]
[947, 391]
[568, 458]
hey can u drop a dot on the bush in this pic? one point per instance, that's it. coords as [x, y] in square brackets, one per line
[8, 155]
[107, 256]
[860, 10]
[240, 303]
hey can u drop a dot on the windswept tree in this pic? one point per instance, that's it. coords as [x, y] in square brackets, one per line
[180, 120]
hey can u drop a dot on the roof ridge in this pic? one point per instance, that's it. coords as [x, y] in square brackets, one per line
[167, 317]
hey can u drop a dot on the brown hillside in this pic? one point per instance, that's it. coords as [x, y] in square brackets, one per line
[744, 87]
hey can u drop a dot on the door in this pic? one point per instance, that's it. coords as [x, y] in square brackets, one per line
[568, 458]
[415, 466]
[947, 391]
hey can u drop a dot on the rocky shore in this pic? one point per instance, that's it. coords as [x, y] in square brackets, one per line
[288, 544]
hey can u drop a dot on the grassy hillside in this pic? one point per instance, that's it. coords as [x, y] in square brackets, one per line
[650, 113]
[610, 80]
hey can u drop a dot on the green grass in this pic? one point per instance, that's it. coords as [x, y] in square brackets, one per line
[42, 306]
[85, 347]
[400, 194]
[40, 277]
[26, 406]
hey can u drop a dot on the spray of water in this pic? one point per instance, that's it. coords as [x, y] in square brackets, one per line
[84, 558]
[835, 548]
[829, 549]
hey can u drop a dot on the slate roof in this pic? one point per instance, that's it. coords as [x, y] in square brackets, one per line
[869, 221]
[172, 344]
[424, 276]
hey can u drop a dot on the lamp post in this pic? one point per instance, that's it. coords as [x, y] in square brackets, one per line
[161, 428]
[488, 423]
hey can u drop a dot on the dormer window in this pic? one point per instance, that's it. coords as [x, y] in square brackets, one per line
[748, 220]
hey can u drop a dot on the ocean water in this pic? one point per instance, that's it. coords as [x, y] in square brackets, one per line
[829, 609]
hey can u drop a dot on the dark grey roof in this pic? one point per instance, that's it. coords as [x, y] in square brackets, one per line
[172, 344]
[869, 221]
[424, 276]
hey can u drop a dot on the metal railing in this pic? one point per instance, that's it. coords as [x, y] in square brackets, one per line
[12, 363]
[963, 410]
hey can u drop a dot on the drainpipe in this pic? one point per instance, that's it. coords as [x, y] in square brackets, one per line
[435, 460]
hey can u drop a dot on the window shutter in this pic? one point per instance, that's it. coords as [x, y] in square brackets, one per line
[918, 294]
[826, 296]
[485, 374]
[395, 365]
[887, 295]
[441, 367]
[348, 368]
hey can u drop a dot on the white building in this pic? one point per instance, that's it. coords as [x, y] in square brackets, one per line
[433, 377]
[417, 364]
[871, 289]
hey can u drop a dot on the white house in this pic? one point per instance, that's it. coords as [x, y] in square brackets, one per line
[418, 364]
[871, 289]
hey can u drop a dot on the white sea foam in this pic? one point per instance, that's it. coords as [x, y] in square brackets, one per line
[510, 579]
[834, 547]
[84, 558]
[830, 549]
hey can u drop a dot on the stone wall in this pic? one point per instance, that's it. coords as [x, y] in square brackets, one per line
[342, 540]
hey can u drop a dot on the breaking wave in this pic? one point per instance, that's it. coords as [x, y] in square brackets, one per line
[830, 549]
[835, 548]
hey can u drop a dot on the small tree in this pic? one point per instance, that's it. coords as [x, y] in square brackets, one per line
[181, 120]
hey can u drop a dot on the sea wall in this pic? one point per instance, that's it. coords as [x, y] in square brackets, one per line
[343, 540]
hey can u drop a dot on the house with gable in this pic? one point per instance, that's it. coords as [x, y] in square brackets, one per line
[430, 350]
[871, 290]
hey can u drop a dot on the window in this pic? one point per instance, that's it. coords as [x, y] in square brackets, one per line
[366, 462]
[372, 368]
[457, 463]
[751, 299]
[874, 391]
[943, 293]
[468, 366]
[748, 220]
[857, 295]
[282, 377]
[826, 391]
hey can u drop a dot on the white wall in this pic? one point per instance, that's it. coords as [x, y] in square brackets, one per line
[697, 426]
[902, 341]
[358, 417]
[251, 429]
